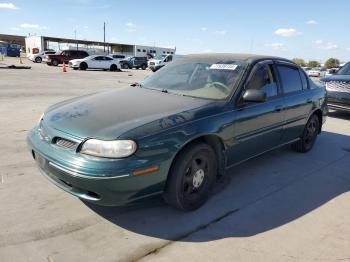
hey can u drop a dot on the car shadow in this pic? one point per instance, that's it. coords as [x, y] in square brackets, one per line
[254, 197]
[339, 114]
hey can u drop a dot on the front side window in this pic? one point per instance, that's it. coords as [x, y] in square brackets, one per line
[290, 78]
[263, 79]
[204, 79]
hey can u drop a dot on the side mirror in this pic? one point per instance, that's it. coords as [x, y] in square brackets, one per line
[254, 95]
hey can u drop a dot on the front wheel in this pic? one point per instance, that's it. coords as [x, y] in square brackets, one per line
[144, 67]
[38, 60]
[309, 135]
[83, 66]
[191, 177]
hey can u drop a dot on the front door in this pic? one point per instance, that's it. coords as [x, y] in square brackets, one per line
[258, 125]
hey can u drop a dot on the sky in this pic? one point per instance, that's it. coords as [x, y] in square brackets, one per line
[305, 29]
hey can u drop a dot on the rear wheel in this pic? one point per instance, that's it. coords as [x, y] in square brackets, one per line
[191, 177]
[309, 135]
[113, 67]
[125, 66]
[54, 62]
[83, 66]
[38, 60]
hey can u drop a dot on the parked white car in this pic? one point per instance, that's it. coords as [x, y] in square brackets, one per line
[95, 62]
[159, 61]
[314, 72]
[38, 58]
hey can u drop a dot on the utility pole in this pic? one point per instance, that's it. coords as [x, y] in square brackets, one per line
[75, 37]
[104, 37]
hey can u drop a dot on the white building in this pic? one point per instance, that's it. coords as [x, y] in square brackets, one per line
[36, 44]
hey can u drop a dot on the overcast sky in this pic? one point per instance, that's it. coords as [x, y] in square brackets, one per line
[293, 28]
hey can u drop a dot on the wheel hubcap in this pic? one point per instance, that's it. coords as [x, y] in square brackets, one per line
[198, 178]
[310, 132]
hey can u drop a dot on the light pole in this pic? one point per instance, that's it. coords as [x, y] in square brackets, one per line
[104, 37]
[75, 37]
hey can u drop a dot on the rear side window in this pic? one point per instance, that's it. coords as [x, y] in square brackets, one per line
[304, 80]
[290, 78]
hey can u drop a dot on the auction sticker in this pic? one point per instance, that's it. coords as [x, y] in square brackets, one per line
[220, 66]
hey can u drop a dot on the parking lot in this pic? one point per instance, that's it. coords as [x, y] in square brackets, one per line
[282, 206]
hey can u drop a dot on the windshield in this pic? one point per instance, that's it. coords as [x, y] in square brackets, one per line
[202, 79]
[160, 57]
[345, 70]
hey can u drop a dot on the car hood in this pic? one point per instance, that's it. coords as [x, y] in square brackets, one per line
[336, 78]
[110, 114]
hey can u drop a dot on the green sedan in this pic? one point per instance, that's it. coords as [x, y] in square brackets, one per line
[179, 130]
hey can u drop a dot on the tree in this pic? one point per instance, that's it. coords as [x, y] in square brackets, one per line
[299, 61]
[332, 62]
[313, 63]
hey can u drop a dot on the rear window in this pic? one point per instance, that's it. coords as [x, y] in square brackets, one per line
[290, 78]
[345, 70]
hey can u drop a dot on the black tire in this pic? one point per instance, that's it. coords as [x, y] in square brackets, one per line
[191, 177]
[54, 62]
[125, 66]
[144, 67]
[309, 135]
[38, 60]
[83, 66]
[113, 67]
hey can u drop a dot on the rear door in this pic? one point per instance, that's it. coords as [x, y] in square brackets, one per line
[97, 62]
[258, 126]
[298, 99]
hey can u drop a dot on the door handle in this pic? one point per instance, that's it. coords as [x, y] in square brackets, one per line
[278, 108]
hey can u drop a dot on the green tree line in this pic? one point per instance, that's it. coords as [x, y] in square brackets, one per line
[330, 63]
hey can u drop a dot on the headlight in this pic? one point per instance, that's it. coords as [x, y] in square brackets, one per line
[109, 149]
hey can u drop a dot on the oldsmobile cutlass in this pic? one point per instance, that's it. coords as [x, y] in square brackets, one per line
[177, 131]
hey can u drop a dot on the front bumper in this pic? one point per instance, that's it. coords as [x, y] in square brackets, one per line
[338, 100]
[111, 183]
[155, 67]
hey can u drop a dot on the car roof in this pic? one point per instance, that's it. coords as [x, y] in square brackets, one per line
[249, 58]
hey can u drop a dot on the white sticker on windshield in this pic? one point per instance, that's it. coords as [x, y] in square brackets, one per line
[224, 66]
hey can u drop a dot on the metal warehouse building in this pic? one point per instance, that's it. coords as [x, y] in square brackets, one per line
[35, 44]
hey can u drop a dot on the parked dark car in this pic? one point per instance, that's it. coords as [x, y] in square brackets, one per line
[178, 130]
[338, 89]
[134, 62]
[64, 56]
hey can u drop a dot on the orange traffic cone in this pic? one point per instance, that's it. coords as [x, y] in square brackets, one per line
[64, 68]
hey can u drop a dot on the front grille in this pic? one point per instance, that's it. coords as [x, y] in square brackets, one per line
[152, 63]
[62, 142]
[340, 86]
